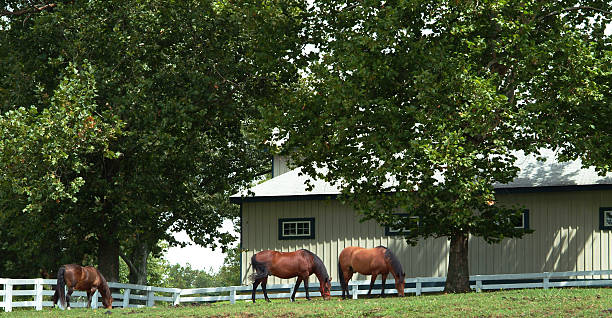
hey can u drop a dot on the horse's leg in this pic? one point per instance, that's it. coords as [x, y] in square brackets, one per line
[384, 278]
[372, 284]
[264, 283]
[306, 287]
[255, 284]
[297, 285]
[68, 295]
[348, 275]
[88, 298]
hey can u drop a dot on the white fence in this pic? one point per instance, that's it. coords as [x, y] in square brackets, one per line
[38, 292]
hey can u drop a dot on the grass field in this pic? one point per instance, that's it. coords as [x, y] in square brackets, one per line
[515, 303]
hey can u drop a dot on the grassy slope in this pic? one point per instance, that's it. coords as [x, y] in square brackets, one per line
[539, 303]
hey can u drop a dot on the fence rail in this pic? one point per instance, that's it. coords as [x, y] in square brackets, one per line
[37, 292]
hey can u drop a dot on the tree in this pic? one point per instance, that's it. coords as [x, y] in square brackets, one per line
[421, 106]
[175, 82]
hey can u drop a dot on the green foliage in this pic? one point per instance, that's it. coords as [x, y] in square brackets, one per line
[422, 106]
[41, 153]
[130, 119]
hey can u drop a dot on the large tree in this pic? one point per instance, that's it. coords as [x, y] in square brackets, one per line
[421, 106]
[170, 86]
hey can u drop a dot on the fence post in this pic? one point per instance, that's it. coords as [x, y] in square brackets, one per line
[38, 297]
[546, 281]
[233, 295]
[126, 297]
[8, 297]
[150, 294]
[94, 300]
[478, 285]
[419, 287]
[177, 299]
[355, 290]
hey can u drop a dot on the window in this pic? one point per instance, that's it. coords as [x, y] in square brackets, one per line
[605, 218]
[395, 231]
[523, 221]
[294, 229]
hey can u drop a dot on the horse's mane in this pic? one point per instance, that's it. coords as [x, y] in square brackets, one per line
[393, 261]
[319, 267]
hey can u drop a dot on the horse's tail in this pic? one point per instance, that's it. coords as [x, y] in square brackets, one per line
[60, 286]
[260, 268]
[341, 275]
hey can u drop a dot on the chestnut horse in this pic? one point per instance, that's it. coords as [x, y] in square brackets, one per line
[86, 278]
[301, 263]
[370, 261]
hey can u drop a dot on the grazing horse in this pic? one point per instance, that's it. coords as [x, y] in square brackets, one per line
[370, 261]
[301, 263]
[86, 278]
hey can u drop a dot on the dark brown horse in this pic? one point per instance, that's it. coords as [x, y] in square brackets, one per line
[301, 263]
[78, 277]
[370, 261]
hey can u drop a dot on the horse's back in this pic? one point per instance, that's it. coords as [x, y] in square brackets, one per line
[363, 260]
[82, 277]
[284, 264]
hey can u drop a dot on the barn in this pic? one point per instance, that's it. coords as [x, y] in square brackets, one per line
[568, 207]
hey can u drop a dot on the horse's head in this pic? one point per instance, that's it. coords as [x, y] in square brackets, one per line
[107, 297]
[325, 288]
[400, 283]
[107, 303]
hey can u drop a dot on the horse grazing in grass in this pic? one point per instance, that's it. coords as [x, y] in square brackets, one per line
[78, 277]
[301, 263]
[370, 261]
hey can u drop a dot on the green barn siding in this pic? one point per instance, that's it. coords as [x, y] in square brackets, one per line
[566, 237]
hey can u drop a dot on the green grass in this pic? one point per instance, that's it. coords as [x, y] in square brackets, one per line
[568, 302]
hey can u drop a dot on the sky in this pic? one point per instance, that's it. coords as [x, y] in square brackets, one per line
[198, 257]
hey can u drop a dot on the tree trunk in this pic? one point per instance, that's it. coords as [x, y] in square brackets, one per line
[137, 263]
[458, 277]
[108, 256]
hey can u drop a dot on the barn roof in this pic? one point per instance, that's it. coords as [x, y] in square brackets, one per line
[534, 176]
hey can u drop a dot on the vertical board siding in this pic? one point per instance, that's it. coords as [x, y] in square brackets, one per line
[280, 165]
[566, 237]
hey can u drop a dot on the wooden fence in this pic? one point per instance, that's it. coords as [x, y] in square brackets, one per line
[37, 293]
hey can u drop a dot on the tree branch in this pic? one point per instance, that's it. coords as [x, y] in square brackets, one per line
[574, 9]
[35, 9]
[128, 262]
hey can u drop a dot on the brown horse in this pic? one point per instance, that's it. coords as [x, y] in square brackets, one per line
[370, 261]
[301, 263]
[86, 278]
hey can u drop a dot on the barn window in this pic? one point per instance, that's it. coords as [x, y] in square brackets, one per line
[401, 230]
[297, 228]
[523, 221]
[605, 218]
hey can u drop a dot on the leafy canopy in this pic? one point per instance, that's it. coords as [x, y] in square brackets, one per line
[422, 106]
